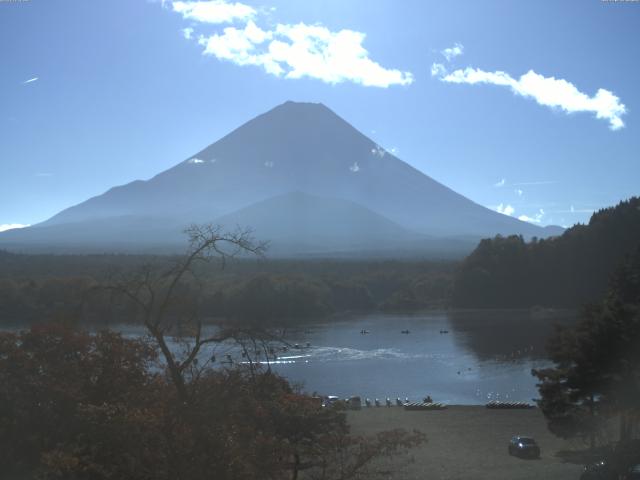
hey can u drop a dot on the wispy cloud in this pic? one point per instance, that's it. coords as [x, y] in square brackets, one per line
[505, 209]
[187, 33]
[500, 183]
[290, 51]
[518, 192]
[214, 11]
[10, 226]
[555, 93]
[438, 70]
[540, 182]
[509, 210]
[355, 168]
[452, 52]
[536, 218]
[573, 209]
[31, 80]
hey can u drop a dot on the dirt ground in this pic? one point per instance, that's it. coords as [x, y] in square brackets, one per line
[470, 443]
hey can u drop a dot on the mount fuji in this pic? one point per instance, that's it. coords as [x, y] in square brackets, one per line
[302, 178]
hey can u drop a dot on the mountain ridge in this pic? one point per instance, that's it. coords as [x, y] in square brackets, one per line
[295, 147]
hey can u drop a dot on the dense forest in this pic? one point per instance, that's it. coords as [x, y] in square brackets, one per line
[37, 288]
[564, 271]
[503, 272]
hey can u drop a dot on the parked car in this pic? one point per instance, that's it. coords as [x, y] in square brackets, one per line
[620, 461]
[601, 470]
[633, 473]
[330, 401]
[522, 446]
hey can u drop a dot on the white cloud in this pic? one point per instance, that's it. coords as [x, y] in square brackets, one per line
[301, 50]
[8, 226]
[240, 47]
[519, 192]
[547, 91]
[438, 70]
[537, 218]
[452, 52]
[500, 183]
[31, 80]
[505, 209]
[214, 11]
[269, 164]
[187, 33]
[291, 51]
[196, 161]
[355, 167]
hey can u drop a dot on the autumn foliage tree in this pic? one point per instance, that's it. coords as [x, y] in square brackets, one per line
[82, 406]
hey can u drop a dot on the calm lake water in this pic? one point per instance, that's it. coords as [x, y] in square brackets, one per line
[486, 355]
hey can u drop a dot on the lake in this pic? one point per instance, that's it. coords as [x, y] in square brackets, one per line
[486, 355]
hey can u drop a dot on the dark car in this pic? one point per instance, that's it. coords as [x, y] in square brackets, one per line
[524, 447]
[619, 461]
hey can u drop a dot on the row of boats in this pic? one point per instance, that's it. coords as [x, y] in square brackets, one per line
[355, 403]
[405, 332]
[509, 405]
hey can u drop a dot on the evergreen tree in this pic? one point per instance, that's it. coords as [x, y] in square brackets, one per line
[597, 363]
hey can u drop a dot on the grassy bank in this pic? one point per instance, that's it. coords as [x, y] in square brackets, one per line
[470, 442]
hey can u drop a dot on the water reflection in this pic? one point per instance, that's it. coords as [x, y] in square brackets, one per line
[456, 357]
[507, 334]
[462, 357]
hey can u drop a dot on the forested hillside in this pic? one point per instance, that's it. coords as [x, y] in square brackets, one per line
[564, 271]
[39, 288]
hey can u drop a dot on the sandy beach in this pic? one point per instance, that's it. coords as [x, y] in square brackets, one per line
[470, 443]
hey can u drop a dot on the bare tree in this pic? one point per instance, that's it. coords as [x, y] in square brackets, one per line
[155, 293]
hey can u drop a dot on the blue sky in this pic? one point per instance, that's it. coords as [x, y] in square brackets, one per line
[532, 108]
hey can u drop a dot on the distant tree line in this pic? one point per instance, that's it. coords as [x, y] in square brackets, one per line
[564, 271]
[36, 288]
